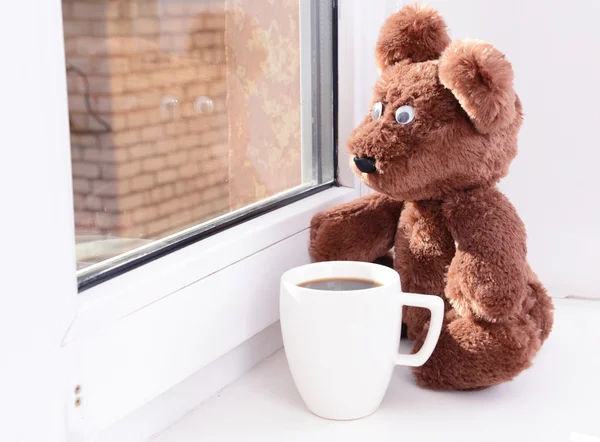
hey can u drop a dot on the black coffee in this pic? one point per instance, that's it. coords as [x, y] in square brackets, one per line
[340, 284]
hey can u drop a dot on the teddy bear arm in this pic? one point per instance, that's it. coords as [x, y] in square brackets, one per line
[487, 277]
[361, 230]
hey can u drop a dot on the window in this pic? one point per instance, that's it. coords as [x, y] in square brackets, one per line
[189, 116]
[178, 303]
[133, 337]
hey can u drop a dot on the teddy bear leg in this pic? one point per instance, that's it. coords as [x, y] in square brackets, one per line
[474, 354]
[542, 310]
[423, 250]
[415, 320]
[386, 260]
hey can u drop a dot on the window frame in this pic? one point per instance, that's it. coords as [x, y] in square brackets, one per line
[318, 165]
[133, 336]
[149, 309]
[53, 334]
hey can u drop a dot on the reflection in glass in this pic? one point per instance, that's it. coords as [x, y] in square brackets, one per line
[180, 111]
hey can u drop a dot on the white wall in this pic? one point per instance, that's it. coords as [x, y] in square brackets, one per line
[37, 256]
[554, 182]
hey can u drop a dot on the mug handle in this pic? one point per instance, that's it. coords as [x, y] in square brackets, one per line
[435, 305]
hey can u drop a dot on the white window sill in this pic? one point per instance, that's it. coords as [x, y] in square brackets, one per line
[555, 400]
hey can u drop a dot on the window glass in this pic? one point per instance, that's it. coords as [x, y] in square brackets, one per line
[186, 113]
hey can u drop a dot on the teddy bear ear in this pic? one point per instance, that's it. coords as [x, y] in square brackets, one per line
[416, 33]
[481, 79]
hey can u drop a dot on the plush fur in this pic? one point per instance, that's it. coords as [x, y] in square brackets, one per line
[453, 233]
[481, 79]
[416, 33]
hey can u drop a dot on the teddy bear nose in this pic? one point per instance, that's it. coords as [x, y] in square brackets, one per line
[365, 164]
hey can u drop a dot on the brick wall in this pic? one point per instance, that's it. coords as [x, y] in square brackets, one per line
[164, 165]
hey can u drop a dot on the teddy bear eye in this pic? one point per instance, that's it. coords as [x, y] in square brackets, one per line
[377, 110]
[405, 114]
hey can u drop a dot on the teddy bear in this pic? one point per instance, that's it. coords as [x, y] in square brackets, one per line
[440, 134]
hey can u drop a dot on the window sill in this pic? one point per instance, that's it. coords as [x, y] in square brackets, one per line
[555, 400]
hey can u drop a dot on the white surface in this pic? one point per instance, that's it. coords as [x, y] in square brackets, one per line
[555, 400]
[554, 181]
[342, 346]
[37, 258]
[351, 16]
[359, 29]
[169, 407]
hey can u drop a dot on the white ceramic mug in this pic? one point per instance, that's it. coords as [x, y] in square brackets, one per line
[342, 346]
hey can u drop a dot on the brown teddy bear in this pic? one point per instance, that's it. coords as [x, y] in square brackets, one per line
[441, 132]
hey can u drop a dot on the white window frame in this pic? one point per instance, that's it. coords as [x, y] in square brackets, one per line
[136, 336]
[139, 334]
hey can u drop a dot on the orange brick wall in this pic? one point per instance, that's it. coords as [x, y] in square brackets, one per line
[162, 167]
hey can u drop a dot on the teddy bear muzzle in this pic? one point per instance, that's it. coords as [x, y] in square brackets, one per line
[365, 164]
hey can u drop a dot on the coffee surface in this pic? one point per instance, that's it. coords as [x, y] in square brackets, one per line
[340, 284]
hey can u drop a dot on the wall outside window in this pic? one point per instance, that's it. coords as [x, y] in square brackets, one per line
[180, 111]
[165, 163]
